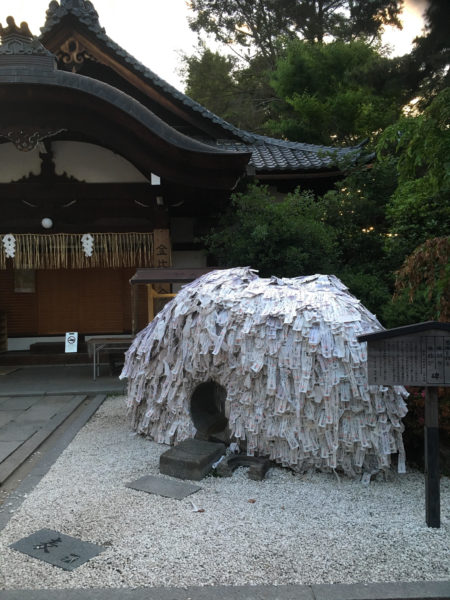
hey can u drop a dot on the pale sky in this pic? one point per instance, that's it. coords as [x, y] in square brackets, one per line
[156, 31]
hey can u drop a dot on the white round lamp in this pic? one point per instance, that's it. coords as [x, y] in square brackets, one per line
[47, 223]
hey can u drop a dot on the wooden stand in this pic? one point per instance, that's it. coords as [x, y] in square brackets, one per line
[416, 355]
[153, 295]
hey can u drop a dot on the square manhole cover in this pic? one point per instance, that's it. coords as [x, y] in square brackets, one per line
[57, 549]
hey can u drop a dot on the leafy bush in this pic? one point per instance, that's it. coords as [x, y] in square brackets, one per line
[286, 237]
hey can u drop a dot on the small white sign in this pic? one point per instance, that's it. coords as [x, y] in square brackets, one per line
[71, 341]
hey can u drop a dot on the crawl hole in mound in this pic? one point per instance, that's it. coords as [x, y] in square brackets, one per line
[208, 411]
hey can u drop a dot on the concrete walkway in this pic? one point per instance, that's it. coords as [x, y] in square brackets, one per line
[36, 401]
[55, 379]
[26, 422]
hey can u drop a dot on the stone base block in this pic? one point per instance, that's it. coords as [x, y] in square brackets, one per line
[191, 459]
[259, 466]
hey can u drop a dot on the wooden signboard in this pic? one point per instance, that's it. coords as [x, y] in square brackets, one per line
[416, 355]
[420, 359]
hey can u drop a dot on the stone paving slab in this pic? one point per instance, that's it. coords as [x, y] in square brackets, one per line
[55, 548]
[163, 487]
[19, 403]
[6, 416]
[44, 428]
[55, 379]
[19, 431]
[43, 410]
[431, 590]
[42, 467]
[6, 448]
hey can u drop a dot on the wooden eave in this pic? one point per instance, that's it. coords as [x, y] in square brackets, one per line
[280, 175]
[70, 28]
[405, 330]
[169, 275]
[60, 100]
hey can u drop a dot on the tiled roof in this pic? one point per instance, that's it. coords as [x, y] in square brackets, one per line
[268, 154]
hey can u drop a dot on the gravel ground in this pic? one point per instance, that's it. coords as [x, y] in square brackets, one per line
[288, 529]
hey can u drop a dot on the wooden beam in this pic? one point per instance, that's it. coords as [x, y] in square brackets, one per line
[171, 275]
[49, 190]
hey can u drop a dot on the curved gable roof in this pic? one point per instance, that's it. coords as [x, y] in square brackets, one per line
[36, 97]
[267, 154]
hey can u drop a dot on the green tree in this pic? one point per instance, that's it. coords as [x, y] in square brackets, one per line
[334, 93]
[284, 237]
[430, 59]
[259, 24]
[425, 274]
[241, 96]
[259, 31]
[419, 208]
[209, 80]
[355, 210]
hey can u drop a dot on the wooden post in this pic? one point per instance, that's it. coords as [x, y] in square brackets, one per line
[162, 249]
[134, 309]
[150, 303]
[162, 258]
[432, 492]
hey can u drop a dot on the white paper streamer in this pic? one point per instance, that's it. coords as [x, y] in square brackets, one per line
[9, 243]
[287, 354]
[87, 241]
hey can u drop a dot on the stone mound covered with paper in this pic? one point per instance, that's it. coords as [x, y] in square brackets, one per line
[286, 352]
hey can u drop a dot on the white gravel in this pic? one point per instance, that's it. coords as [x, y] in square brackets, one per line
[299, 529]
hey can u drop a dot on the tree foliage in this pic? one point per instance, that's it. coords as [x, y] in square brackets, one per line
[259, 24]
[244, 24]
[355, 210]
[334, 93]
[209, 81]
[285, 237]
[242, 96]
[430, 59]
[419, 208]
[426, 272]
[289, 83]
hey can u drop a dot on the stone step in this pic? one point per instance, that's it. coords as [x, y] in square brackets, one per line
[191, 459]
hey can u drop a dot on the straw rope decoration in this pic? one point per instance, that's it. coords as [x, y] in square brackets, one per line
[65, 250]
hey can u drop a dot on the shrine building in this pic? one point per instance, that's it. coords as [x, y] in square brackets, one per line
[105, 168]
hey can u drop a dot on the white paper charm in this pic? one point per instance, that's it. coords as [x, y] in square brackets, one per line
[9, 243]
[87, 241]
[285, 352]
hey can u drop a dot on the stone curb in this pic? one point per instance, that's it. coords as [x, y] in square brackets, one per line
[78, 390]
[432, 590]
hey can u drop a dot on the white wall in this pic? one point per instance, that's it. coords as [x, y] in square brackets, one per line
[15, 164]
[85, 162]
[93, 164]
